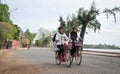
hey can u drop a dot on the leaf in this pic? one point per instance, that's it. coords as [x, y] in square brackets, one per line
[111, 12]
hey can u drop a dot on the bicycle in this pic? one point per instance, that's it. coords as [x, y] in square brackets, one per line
[78, 54]
[67, 55]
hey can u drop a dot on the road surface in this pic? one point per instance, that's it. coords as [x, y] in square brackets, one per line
[41, 61]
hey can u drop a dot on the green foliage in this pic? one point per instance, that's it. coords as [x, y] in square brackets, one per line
[113, 12]
[37, 43]
[43, 38]
[84, 18]
[30, 36]
[5, 17]
[70, 22]
[4, 13]
[62, 22]
[87, 19]
[7, 29]
[42, 32]
[16, 35]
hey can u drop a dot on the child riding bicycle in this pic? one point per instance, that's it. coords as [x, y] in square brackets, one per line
[59, 41]
[74, 37]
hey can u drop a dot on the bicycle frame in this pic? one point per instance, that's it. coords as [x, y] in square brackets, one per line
[66, 47]
[78, 54]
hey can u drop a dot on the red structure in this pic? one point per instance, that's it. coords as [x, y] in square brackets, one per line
[15, 44]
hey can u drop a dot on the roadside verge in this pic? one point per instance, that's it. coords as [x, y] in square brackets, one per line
[4, 51]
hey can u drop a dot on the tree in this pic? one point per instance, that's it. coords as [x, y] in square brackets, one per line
[88, 19]
[37, 43]
[101, 46]
[30, 36]
[7, 31]
[17, 34]
[43, 38]
[42, 32]
[62, 22]
[4, 13]
[69, 23]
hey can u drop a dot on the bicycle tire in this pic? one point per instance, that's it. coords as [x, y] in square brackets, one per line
[68, 58]
[78, 57]
[58, 62]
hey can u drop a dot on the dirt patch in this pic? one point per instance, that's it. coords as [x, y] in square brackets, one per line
[21, 69]
[10, 66]
[6, 53]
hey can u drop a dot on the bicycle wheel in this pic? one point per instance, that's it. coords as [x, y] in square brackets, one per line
[68, 58]
[78, 56]
[72, 58]
[58, 62]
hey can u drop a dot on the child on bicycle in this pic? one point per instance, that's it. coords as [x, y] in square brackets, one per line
[60, 39]
[74, 37]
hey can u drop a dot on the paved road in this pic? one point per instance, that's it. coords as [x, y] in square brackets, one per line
[41, 61]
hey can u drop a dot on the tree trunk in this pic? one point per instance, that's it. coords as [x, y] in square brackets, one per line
[82, 33]
[1, 41]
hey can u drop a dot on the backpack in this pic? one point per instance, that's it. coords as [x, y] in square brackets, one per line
[54, 37]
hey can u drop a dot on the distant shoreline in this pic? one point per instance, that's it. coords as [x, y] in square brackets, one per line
[101, 46]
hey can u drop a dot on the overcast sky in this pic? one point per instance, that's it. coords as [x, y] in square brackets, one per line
[34, 14]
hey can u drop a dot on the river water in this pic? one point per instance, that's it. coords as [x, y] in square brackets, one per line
[104, 50]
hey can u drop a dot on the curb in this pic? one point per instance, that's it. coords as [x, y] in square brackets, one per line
[101, 53]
